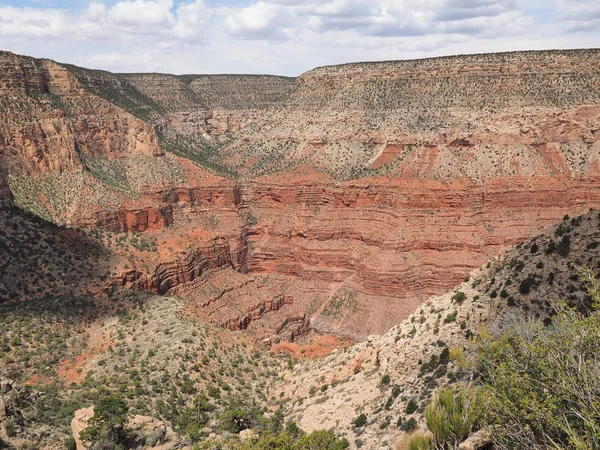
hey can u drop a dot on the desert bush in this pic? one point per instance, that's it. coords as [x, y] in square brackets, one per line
[452, 414]
[409, 425]
[234, 421]
[527, 284]
[457, 354]
[420, 442]
[411, 407]
[459, 297]
[10, 427]
[451, 317]
[360, 421]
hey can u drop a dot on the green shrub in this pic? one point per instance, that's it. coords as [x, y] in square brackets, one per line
[108, 425]
[459, 297]
[360, 421]
[234, 421]
[452, 414]
[214, 391]
[317, 440]
[527, 284]
[10, 427]
[450, 317]
[564, 246]
[420, 442]
[543, 380]
[410, 425]
[411, 407]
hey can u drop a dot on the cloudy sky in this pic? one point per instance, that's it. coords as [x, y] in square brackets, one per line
[284, 37]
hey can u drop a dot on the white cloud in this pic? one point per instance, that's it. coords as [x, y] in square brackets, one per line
[385, 18]
[95, 12]
[142, 14]
[259, 21]
[158, 19]
[192, 19]
[288, 36]
[580, 15]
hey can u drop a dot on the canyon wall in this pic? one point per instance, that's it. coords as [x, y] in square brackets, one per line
[355, 191]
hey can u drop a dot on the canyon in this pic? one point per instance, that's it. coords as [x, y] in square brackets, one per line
[334, 203]
[224, 253]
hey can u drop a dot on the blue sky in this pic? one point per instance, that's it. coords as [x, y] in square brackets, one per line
[284, 37]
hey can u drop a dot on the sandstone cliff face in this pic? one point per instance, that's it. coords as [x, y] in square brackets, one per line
[52, 127]
[397, 243]
[57, 124]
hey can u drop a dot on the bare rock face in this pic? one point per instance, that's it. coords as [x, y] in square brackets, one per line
[80, 423]
[59, 124]
[185, 268]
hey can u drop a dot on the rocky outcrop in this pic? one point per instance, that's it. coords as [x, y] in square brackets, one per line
[127, 220]
[59, 124]
[80, 423]
[222, 193]
[294, 326]
[480, 440]
[146, 432]
[12, 395]
[204, 123]
[188, 265]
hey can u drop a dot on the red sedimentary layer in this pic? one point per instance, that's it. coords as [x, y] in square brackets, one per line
[396, 241]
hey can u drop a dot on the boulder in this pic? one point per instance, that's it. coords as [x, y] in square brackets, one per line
[148, 432]
[79, 423]
[480, 440]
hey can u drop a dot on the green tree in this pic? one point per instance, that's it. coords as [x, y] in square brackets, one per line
[277, 420]
[293, 429]
[107, 429]
[234, 421]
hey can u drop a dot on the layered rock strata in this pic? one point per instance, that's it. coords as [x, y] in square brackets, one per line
[368, 187]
